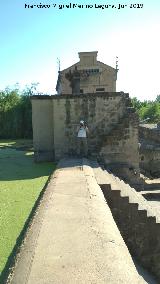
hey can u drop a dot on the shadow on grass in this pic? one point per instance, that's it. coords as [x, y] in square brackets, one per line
[20, 165]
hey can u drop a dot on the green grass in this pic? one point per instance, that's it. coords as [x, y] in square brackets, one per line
[21, 181]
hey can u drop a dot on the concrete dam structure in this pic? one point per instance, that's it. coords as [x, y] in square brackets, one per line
[112, 122]
[93, 224]
[73, 237]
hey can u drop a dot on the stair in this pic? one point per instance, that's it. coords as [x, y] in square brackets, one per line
[113, 131]
[137, 221]
[112, 145]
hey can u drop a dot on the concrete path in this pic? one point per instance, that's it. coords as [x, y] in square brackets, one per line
[73, 238]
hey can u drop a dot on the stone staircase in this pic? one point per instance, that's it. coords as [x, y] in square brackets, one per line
[115, 137]
[120, 132]
[113, 149]
[137, 221]
[116, 119]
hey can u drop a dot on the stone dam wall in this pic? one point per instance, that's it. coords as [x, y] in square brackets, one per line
[73, 237]
[136, 220]
[112, 123]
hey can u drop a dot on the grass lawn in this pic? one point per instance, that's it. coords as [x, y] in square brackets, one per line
[21, 181]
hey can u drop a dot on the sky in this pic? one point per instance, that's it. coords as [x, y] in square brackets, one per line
[31, 40]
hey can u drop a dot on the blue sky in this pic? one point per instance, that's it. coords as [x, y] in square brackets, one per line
[32, 39]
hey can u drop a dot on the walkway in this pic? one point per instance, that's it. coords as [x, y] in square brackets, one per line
[73, 238]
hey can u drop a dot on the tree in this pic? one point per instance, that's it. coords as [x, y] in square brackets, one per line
[158, 99]
[152, 110]
[136, 103]
[16, 112]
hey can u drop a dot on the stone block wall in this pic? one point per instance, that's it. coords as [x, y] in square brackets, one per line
[120, 150]
[149, 133]
[150, 160]
[150, 150]
[113, 134]
[43, 133]
[138, 223]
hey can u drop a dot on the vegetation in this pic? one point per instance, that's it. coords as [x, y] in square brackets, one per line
[148, 110]
[21, 183]
[16, 112]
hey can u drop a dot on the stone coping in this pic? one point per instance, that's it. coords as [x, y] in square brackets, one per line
[88, 95]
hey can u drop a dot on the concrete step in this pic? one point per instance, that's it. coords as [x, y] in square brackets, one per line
[134, 197]
[133, 215]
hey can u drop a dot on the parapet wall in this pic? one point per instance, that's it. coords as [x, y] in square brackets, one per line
[137, 222]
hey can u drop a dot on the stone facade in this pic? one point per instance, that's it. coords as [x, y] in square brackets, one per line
[150, 149]
[112, 123]
[95, 76]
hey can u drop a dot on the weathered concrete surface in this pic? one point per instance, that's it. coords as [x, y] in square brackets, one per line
[75, 239]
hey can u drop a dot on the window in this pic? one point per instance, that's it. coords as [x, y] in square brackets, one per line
[100, 89]
[91, 71]
[81, 91]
